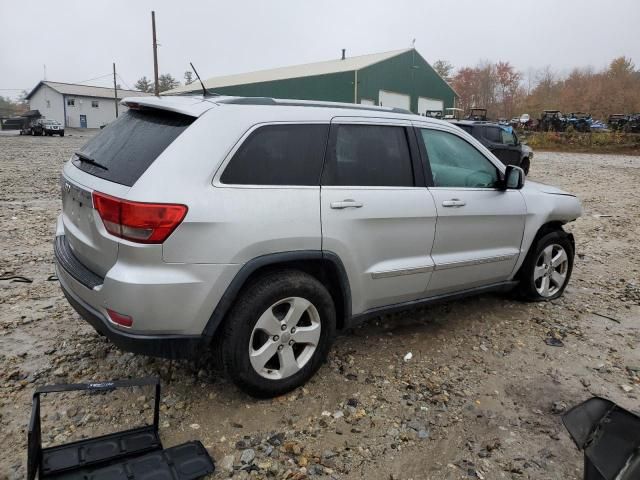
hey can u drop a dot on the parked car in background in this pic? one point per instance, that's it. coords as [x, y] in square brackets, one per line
[501, 140]
[52, 127]
[258, 227]
[30, 125]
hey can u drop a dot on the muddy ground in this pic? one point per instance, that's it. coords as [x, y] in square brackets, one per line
[480, 398]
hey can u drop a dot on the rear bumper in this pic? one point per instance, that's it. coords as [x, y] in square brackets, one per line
[166, 346]
[170, 304]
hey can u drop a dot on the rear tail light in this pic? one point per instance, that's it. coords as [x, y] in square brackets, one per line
[120, 319]
[137, 221]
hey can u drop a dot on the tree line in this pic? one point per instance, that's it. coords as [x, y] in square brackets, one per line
[506, 92]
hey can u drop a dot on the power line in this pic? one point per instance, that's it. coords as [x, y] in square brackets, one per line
[125, 83]
[97, 78]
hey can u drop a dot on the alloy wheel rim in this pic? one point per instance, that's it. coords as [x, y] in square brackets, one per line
[284, 338]
[550, 271]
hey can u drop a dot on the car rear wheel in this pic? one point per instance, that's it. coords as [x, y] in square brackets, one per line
[278, 333]
[547, 268]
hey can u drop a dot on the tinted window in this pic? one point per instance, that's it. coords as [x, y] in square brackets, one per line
[279, 155]
[456, 163]
[369, 155]
[130, 144]
[493, 134]
[467, 128]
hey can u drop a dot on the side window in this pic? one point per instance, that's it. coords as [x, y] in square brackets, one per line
[456, 163]
[279, 155]
[508, 138]
[493, 134]
[368, 155]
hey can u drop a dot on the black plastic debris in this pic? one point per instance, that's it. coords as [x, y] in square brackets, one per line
[133, 454]
[610, 438]
[554, 342]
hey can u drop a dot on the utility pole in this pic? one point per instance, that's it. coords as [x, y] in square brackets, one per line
[156, 87]
[115, 89]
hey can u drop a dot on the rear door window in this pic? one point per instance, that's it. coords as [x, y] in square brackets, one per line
[125, 148]
[369, 155]
[279, 155]
[493, 134]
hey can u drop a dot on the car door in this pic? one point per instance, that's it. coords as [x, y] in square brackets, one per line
[480, 226]
[502, 144]
[377, 213]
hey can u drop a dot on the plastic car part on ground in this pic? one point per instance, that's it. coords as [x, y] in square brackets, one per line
[127, 455]
[610, 438]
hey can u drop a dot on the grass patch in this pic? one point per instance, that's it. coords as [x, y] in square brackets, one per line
[597, 142]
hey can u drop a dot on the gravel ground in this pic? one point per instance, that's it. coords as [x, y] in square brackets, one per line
[481, 396]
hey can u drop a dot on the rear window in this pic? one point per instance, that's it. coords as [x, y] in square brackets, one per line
[125, 148]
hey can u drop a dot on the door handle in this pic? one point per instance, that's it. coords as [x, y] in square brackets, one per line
[348, 203]
[454, 202]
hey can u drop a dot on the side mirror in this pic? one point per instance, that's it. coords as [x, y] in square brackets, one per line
[513, 177]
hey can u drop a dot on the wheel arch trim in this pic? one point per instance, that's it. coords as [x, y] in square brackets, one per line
[273, 260]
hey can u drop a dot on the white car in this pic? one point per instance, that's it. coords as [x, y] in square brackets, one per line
[259, 227]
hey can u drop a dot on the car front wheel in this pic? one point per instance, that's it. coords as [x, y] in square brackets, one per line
[278, 333]
[547, 268]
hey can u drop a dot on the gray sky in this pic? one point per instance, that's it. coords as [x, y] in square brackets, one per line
[79, 39]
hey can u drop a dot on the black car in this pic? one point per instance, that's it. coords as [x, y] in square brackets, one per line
[501, 140]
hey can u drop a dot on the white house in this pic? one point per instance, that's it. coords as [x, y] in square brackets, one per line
[77, 106]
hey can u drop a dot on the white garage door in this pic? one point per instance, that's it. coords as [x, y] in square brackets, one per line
[425, 104]
[393, 99]
[367, 101]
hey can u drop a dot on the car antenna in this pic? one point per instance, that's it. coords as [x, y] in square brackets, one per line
[204, 90]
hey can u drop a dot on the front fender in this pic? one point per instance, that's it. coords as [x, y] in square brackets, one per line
[542, 209]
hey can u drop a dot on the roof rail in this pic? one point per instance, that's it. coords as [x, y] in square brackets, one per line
[308, 103]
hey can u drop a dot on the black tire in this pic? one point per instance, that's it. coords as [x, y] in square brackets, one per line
[233, 342]
[528, 288]
[62, 134]
[526, 164]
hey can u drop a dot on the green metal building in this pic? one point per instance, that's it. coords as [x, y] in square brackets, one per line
[400, 78]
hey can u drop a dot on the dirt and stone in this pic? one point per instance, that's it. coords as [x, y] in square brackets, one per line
[480, 396]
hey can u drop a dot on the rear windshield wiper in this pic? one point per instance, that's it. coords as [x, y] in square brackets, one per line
[86, 159]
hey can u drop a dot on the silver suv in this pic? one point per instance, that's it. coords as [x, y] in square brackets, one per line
[260, 227]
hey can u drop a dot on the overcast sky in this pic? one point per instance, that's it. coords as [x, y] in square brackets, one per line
[79, 39]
